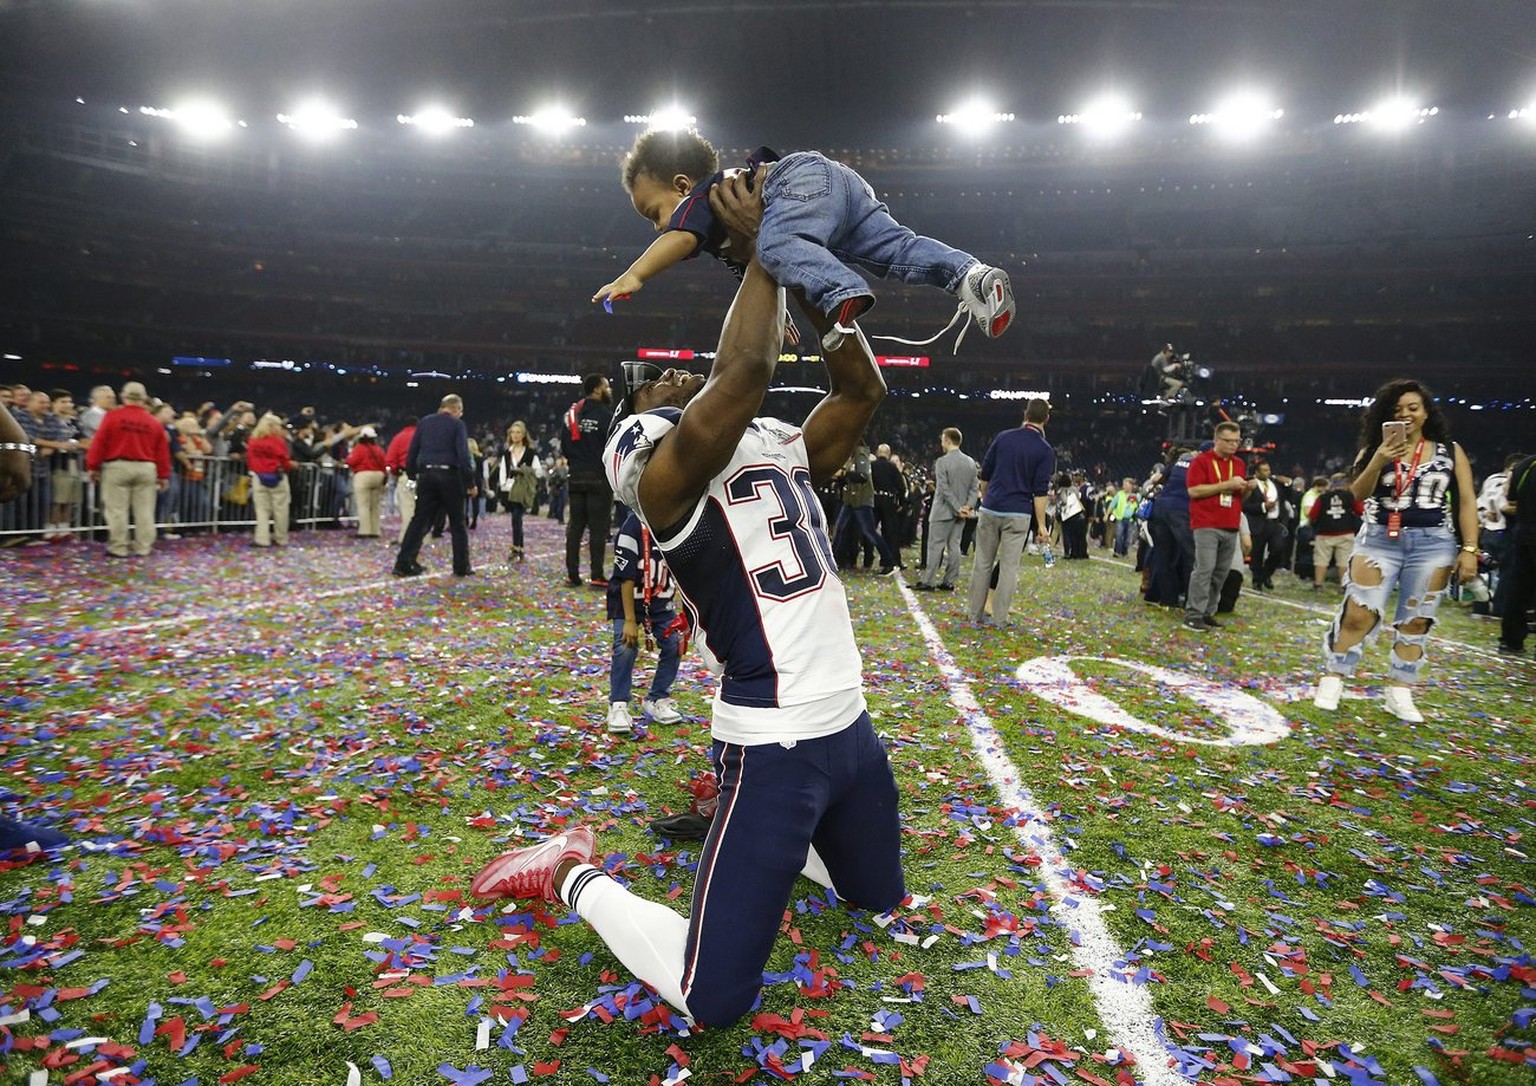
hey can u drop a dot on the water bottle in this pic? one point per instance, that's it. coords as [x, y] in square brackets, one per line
[1049, 555]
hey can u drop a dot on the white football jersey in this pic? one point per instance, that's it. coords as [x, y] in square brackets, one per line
[755, 569]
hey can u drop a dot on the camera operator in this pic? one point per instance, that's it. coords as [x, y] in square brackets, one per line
[1170, 371]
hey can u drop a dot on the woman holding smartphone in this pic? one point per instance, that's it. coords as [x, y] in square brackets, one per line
[1413, 479]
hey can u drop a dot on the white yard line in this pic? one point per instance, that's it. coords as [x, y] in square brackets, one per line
[1126, 1009]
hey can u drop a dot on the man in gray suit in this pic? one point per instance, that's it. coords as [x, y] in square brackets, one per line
[954, 501]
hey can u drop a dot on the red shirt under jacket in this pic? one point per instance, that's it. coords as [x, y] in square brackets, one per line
[1208, 512]
[130, 432]
[268, 455]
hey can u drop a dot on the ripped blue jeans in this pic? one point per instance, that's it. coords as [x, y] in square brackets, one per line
[1407, 564]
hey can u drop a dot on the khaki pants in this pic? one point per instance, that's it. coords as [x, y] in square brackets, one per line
[271, 504]
[405, 498]
[129, 485]
[368, 489]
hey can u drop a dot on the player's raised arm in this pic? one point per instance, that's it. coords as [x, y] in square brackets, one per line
[835, 424]
[714, 420]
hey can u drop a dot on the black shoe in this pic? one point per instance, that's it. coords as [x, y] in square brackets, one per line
[921, 587]
[1211, 624]
[887, 571]
[408, 571]
[574, 582]
[1197, 624]
[945, 588]
[466, 573]
[1510, 650]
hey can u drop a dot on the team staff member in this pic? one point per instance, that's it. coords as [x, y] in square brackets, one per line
[268, 460]
[796, 756]
[131, 457]
[590, 498]
[367, 462]
[440, 463]
[1216, 481]
[405, 486]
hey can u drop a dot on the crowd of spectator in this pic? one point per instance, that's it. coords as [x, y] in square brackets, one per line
[1117, 487]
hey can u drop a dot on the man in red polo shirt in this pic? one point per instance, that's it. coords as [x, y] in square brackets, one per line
[405, 486]
[131, 457]
[1217, 481]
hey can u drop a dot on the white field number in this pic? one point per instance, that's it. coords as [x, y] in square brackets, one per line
[1249, 721]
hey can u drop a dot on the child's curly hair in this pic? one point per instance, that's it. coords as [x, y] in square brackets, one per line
[664, 155]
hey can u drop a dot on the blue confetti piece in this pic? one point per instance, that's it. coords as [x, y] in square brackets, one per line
[608, 305]
[1426, 1076]
[381, 1065]
[302, 971]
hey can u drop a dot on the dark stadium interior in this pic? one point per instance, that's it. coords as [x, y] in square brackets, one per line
[1313, 266]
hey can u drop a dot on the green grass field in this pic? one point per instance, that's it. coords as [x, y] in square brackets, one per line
[281, 769]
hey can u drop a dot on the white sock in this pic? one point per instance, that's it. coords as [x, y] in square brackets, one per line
[816, 870]
[650, 939]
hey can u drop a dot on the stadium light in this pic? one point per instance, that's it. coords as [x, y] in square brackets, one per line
[1241, 116]
[435, 120]
[552, 120]
[200, 118]
[974, 118]
[1391, 115]
[316, 120]
[667, 119]
[1105, 117]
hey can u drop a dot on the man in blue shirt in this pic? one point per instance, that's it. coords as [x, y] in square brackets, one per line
[439, 461]
[1015, 479]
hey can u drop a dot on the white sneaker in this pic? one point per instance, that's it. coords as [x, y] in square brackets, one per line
[1399, 702]
[988, 296]
[1329, 688]
[619, 720]
[662, 710]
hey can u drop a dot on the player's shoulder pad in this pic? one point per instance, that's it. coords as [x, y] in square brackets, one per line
[629, 449]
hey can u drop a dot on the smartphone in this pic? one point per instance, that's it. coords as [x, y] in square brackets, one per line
[1394, 433]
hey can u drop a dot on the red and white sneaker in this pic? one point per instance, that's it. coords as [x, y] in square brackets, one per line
[988, 296]
[530, 872]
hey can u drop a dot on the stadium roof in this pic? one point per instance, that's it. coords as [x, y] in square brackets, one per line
[792, 73]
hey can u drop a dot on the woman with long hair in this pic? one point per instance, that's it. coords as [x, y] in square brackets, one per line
[520, 472]
[1416, 484]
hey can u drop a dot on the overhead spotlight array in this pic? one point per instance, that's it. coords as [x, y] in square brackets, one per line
[1240, 116]
[552, 119]
[1394, 114]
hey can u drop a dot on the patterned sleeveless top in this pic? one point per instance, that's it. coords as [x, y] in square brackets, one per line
[1424, 502]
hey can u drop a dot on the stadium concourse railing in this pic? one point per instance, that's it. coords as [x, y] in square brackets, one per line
[207, 494]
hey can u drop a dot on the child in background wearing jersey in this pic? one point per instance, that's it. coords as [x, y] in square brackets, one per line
[819, 217]
[640, 591]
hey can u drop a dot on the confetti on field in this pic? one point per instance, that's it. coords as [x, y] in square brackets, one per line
[276, 802]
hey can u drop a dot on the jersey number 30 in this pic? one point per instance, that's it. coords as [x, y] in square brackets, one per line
[801, 558]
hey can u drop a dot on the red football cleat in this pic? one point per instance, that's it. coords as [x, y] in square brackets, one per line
[530, 872]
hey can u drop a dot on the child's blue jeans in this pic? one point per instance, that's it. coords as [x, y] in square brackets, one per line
[621, 674]
[819, 217]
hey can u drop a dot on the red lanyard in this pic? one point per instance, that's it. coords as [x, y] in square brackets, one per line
[1399, 481]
